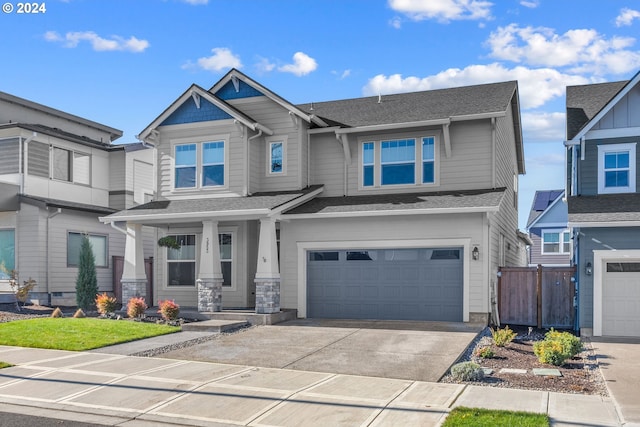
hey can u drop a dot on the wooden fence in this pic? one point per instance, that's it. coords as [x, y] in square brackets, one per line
[118, 266]
[537, 296]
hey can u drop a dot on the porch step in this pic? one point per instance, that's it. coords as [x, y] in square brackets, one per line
[214, 325]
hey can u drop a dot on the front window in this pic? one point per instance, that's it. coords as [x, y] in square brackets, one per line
[556, 242]
[199, 165]
[276, 157]
[98, 247]
[398, 162]
[213, 163]
[226, 257]
[617, 168]
[7, 253]
[185, 168]
[181, 262]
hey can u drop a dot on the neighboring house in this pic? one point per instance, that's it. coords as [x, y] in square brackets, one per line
[392, 207]
[58, 174]
[603, 130]
[547, 227]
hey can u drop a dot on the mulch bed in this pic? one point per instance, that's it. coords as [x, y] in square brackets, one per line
[580, 375]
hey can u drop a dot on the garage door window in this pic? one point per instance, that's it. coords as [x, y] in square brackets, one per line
[623, 267]
[323, 256]
[401, 255]
[362, 256]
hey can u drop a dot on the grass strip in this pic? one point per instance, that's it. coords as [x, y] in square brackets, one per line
[476, 417]
[77, 334]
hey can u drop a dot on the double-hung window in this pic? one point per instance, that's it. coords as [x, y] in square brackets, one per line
[367, 164]
[213, 164]
[617, 168]
[185, 166]
[7, 252]
[428, 160]
[181, 262]
[199, 165]
[556, 242]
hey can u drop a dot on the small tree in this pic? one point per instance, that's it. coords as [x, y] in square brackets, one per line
[87, 281]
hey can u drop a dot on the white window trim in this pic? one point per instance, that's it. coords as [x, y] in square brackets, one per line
[274, 140]
[561, 232]
[607, 148]
[377, 163]
[199, 141]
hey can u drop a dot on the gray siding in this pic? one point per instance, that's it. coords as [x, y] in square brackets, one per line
[327, 164]
[10, 159]
[537, 257]
[626, 113]
[588, 241]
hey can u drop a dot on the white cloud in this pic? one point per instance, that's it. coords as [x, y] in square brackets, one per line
[626, 17]
[443, 10]
[581, 50]
[396, 23]
[342, 75]
[302, 65]
[264, 65]
[531, 4]
[541, 126]
[536, 86]
[221, 59]
[100, 44]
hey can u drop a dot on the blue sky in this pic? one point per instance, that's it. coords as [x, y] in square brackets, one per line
[122, 62]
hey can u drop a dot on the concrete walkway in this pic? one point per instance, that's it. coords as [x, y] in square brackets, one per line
[114, 389]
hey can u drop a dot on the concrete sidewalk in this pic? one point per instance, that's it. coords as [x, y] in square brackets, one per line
[113, 389]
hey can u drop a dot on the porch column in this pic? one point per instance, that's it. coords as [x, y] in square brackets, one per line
[134, 278]
[267, 272]
[210, 274]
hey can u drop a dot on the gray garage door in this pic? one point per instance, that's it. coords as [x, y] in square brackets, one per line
[390, 284]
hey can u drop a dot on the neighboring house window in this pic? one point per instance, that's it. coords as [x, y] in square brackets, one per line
[402, 161]
[71, 166]
[367, 164]
[7, 252]
[98, 246]
[81, 168]
[181, 263]
[213, 163]
[38, 159]
[61, 164]
[226, 257]
[276, 158]
[617, 168]
[10, 159]
[185, 168]
[556, 242]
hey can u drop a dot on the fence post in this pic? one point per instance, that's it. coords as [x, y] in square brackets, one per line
[539, 295]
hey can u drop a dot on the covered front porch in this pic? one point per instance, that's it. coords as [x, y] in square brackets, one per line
[226, 256]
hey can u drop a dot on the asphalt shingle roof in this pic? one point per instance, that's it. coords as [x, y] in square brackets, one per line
[585, 101]
[604, 208]
[490, 198]
[415, 106]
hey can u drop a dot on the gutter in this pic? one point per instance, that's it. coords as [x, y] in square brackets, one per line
[398, 212]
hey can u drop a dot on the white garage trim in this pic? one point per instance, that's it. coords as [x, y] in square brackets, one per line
[304, 247]
[599, 259]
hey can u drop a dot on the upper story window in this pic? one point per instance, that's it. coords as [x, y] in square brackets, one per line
[199, 165]
[556, 242]
[58, 163]
[407, 161]
[617, 168]
[276, 155]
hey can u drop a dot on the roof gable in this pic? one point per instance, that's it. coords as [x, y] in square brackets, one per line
[237, 89]
[190, 112]
[544, 202]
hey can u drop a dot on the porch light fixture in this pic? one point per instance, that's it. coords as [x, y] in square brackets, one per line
[588, 269]
[475, 253]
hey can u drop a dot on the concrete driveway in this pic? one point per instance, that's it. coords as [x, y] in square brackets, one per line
[420, 351]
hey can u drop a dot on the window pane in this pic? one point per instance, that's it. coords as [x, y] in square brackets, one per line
[226, 273]
[623, 159]
[187, 249]
[398, 151]
[551, 237]
[616, 179]
[276, 157]
[623, 267]
[427, 148]
[445, 254]
[61, 164]
[367, 153]
[182, 273]
[213, 153]
[552, 247]
[7, 253]
[427, 172]
[362, 256]
[323, 256]
[401, 255]
[186, 155]
[224, 241]
[610, 161]
[186, 177]
[398, 174]
[367, 178]
[99, 248]
[82, 168]
[212, 175]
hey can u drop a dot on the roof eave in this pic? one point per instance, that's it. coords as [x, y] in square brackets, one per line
[394, 212]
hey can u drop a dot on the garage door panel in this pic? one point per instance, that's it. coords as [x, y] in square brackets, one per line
[621, 299]
[403, 284]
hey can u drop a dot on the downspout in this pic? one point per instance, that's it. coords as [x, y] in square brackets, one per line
[257, 135]
[48, 238]
[493, 152]
[115, 227]
[308, 158]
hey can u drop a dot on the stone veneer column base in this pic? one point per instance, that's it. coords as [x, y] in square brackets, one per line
[133, 288]
[209, 295]
[267, 295]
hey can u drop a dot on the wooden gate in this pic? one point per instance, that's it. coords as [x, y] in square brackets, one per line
[537, 296]
[118, 266]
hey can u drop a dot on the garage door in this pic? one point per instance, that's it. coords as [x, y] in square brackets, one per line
[621, 299]
[390, 284]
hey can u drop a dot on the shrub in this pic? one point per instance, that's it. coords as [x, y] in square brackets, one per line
[485, 352]
[169, 310]
[106, 304]
[136, 307]
[557, 347]
[467, 371]
[79, 314]
[57, 313]
[87, 281]
[502, 337]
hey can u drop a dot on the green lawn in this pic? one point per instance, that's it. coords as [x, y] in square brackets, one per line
[474, 417]
[77, 334]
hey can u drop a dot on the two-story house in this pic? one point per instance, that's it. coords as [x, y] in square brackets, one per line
[58, 174]
[548, 230]
[389, 207]
[603, 129]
